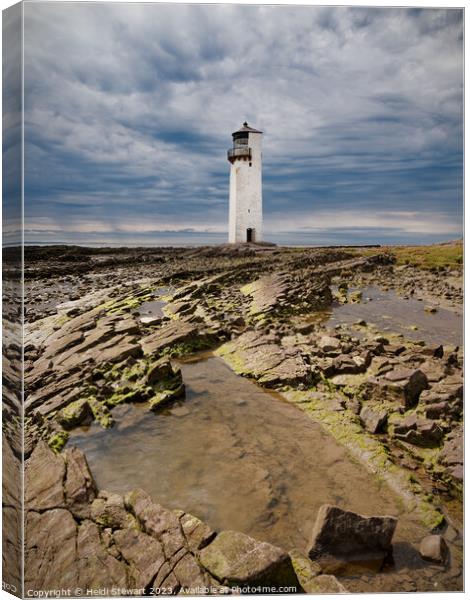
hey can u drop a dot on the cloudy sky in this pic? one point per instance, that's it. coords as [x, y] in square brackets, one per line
[129, 110]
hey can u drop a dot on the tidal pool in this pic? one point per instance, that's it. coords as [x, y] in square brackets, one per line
[154, 308]
[389, 312]
[234, 455]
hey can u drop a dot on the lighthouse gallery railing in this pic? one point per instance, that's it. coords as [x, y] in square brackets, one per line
[238, 152]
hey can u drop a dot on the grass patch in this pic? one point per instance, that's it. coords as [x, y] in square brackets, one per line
[426, 257]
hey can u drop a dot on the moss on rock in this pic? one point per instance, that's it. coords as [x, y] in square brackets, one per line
[345, 427]
[76, 413]
[57, 441]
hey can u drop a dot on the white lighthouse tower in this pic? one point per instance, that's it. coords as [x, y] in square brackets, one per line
[246, 205]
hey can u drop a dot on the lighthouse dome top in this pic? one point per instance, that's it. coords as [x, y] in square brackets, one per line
[245, 128]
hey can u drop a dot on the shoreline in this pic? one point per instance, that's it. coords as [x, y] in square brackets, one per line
[100, 322]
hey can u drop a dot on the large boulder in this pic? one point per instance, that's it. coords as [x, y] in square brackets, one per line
[235, 559]
[350, 536]
[402, 386]
[412, 382]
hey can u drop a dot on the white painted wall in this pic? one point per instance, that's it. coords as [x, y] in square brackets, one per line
[246, 203]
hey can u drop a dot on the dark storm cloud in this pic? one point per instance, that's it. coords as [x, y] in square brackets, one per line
[129, 110]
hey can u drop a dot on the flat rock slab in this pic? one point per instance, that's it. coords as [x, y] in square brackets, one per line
[284, 292]
[235, 559]
[350, 536]
[258, 356]
[176, 332]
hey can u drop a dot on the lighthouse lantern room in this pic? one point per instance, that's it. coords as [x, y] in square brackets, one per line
[246, 207]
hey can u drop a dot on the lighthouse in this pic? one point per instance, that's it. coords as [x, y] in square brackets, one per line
[245, 205]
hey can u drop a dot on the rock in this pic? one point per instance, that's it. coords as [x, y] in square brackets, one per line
[164, 397]
[350, 536]
[119, 352]
[260, 357]
[50, 550]
[438, 410]
[448, 389]
[310, 576]
[126, 326]
[62, 343]
[398, 385]
[155, 519]
[452, 453]
[280, 293]
[143, 553]
[235, 559]
[434, 351]
[150, 320]
[161, 370]
[290, 371]
[97, 568]
[325, 584]
[395, 349]
[76, 413]
[68, 389]
[176, 332]
[329, 344]
[108, 511]
[181, 567]
[415, 379]
[79, 486]
[304, 567]
[355, 297]
[346, 364]
[434, 370]
[434, 548]
[44, 476]
[373, 421]
[197, 533]
[418, 431]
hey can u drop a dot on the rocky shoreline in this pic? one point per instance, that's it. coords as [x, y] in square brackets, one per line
[82, 539]
[395, 403]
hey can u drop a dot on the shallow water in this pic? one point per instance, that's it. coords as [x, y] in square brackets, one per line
[389, 312]
[153, 308]
[234, 455]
